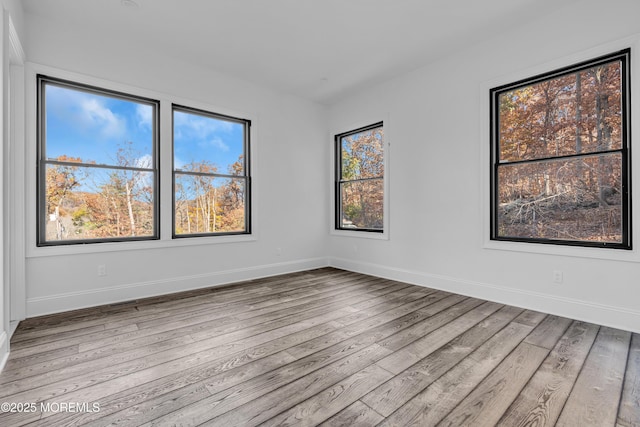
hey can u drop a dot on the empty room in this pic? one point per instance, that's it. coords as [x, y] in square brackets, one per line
[320, 212]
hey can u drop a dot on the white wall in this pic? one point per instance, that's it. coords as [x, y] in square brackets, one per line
[289, 181]
[439, 170]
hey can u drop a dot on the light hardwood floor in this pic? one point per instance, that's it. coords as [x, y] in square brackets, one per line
[322, 347]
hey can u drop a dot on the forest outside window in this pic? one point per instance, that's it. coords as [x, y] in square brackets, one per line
[97, 165]
[360, 179]
[560, 156]
[211, 173]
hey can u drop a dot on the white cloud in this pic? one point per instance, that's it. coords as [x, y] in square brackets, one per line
[193, 126]
[178, 163]
[145, 179]
[216, 143]
[145, 161]
[143, 114]
[95, 115]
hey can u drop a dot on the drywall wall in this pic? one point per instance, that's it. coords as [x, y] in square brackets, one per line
[288, 182]
[437, 119]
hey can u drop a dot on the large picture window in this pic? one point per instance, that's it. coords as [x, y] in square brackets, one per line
[97, 165]
[211, 173]
[360, 179]
[560, 156]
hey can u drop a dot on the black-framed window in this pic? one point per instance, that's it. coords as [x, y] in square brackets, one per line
[561, 156]
[360, 173]
[97, 164]
[211, 177]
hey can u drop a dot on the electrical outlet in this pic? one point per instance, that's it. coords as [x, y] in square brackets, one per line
[102, 270]
[557, 276]
[278, 251]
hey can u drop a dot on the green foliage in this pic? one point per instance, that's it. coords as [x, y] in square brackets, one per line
[352, 212]
[78, 216]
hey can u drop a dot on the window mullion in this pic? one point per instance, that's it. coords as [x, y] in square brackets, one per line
[166, 166]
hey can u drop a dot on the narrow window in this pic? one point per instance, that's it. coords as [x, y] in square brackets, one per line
[360, 179]
[97, 165]
[560, 156]
[211, 174]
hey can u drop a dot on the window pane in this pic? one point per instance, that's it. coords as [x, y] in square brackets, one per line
[362, 204]
[207, 204]
[97, 203]
[363, 154]
[95, 128]
[200, 139]
[575, 200]
[575, 113]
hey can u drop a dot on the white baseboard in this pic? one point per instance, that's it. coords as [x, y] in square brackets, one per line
[615, 317]
[13, 325]
[4, 349]
[75, 300]
[601, 314]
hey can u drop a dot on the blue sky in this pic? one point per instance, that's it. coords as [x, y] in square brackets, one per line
[93, 127]
[202, 138]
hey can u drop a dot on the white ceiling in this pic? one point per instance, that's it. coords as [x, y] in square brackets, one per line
[317, 49]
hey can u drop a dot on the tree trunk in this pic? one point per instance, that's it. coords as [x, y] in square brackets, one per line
[188, 219]
[215, 195]
[578, 113]
[58, 224]
[130, 209]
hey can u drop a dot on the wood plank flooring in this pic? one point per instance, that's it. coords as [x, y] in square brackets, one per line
[321, 347]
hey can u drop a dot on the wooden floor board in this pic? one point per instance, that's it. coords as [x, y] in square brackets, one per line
[356, 415]
[543, 398]
[305, 384]
[198, 352]
[629, 412]
[213, 297]
[214, 323]
[261, 327]
[43, 324]
[443, 395]
[390, 396]
[234, 362]
[331, 400]
[596, 394]
[169, 309]
[320, 347]
[412, 350]
[492, 396]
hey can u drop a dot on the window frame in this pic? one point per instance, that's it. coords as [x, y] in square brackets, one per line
[41, 162]
[338, 209]
[30, 195]
[246, 176]
[624, 55]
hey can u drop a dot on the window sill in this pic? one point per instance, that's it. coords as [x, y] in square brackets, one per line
[360, 234]
[568, 251]
[37, 252]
